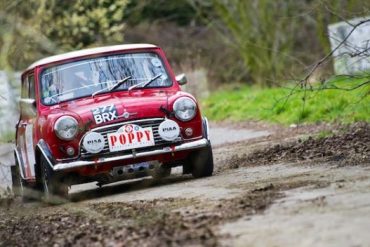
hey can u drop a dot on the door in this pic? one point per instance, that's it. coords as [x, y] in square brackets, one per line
[25, 128]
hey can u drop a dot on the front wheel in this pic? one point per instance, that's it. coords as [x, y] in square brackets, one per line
[52, 184]
[201, 163]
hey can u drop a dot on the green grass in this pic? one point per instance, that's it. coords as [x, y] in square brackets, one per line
[251, 103]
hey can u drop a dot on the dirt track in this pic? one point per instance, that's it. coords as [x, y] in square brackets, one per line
[281, 190]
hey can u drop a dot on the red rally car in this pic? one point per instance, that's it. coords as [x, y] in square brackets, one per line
[106, 114]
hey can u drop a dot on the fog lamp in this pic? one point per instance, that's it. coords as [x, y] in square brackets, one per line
[188, 131]
[70, 151]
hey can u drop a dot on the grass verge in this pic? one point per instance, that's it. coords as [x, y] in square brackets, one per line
[250, 103]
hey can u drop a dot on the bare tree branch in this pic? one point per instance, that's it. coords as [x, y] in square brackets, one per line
[303, 85]
[330, 54]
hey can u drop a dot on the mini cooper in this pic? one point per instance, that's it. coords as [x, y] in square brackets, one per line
[106, 114]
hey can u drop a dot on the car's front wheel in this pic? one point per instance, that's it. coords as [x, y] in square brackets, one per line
[200, 163]
[52, 184]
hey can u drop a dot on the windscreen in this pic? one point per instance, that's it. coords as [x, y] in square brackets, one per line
[84, 78]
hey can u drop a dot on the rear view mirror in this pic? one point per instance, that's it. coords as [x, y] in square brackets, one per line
[181, 79]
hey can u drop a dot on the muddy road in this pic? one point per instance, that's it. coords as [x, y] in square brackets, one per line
[272, 186]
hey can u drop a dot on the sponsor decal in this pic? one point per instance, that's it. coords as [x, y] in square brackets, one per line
[169, 130]
[130, 136]
[93, 142]
[105, 114]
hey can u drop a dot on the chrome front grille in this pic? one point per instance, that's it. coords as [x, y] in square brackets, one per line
[105, 130]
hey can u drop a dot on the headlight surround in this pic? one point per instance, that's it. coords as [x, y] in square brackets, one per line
[185, 108]
[66, 128]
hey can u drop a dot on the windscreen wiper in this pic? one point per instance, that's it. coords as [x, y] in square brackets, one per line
[145, 83]
[115, 86]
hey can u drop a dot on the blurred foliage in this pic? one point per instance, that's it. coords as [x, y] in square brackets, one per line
[255, 41]
[35, 28]
[180, 12]
[278, 39]
[263, 37]
[82, 23]
[191, 44]
[191, 48]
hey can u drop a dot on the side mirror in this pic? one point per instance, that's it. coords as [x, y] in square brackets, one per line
[181, 79]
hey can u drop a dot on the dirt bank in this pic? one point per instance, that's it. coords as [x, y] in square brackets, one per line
[344, 146]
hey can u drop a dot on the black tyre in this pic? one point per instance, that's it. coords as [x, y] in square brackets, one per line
[52, 184]
[201, 163]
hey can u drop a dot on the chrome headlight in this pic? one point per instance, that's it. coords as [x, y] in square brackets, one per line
[185, 108]
[66, 128]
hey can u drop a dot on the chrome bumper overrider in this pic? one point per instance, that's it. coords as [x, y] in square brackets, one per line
[80, 163]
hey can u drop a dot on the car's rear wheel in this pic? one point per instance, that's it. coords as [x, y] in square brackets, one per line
[52, 184]
[200, 163]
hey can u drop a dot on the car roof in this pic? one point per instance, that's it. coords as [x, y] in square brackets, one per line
[88, 52]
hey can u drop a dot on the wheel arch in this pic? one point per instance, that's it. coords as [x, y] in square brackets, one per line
[205, 128]
[42, 151]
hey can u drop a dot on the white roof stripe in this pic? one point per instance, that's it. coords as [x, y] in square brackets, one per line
[87, 52]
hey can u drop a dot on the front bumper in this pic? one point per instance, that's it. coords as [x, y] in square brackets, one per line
[60, 166]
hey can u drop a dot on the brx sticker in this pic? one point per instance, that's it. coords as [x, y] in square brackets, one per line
[105, 114]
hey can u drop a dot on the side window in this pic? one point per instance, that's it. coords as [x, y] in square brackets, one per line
[25, 88]
[31, 82]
